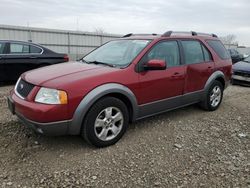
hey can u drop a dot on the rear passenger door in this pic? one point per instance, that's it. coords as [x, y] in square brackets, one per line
[199, 65]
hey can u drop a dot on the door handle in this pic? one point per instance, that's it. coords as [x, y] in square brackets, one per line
[176, 74]
[32, 57]
[209, 69]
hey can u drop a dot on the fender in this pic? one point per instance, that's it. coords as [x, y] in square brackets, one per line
[100, 91]
[211, 79]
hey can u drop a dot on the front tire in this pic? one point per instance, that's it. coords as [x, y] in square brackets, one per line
[106, 122]
[213, 97]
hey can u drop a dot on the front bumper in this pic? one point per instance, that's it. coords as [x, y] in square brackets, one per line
[51, 128]
[241, 78]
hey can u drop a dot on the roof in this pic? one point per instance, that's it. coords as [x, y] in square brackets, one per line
[27, 43]
[20, 41]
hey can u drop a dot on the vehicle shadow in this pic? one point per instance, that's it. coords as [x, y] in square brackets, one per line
[7, 83]
[140, 130]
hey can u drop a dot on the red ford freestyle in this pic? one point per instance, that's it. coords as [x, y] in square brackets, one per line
[122, 81]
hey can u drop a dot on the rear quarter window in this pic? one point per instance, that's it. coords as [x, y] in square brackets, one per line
[219, 49]
[34, 49]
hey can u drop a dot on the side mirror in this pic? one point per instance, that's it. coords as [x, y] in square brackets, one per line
[155, 64]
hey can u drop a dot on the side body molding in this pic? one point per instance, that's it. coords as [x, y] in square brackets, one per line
[100, 91]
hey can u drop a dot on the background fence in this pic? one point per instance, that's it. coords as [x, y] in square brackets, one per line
[74, 43]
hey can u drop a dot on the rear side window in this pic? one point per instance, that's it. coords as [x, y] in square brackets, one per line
[19, 48]
[34, 49]
[1, 47]
[192, 51]
[219, 49]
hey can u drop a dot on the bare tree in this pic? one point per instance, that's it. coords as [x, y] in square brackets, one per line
[229, 40]
[99, 30]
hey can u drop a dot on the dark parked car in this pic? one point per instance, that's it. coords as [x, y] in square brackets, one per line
[235, 55]
[122, 81]
[241, 72]
[17, 57]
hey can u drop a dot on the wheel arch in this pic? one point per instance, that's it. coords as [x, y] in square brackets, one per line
[125, 100]
[217, 75]
[112, 89]
[221, 80]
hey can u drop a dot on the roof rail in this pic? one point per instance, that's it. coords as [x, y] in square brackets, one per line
[214, 35]
[131, 34]
[167, 34]
[128, 35]
[193, 33]
[207, 34]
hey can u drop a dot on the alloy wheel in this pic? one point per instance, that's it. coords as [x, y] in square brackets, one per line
[215, 96]
[108, 123]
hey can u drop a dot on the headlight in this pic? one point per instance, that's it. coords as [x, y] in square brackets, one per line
[51, 96]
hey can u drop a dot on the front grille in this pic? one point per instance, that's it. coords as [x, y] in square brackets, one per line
[245, 74]
[23, 88]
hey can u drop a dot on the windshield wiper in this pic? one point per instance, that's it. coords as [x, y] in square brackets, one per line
[83, 60]
[246, 61]
[99, 63]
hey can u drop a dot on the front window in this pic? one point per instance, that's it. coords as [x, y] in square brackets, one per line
[118, 53]
[167, 51]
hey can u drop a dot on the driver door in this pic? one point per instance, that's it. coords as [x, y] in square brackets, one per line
[156, 85]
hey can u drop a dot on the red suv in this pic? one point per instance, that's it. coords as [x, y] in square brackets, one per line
[122, 81]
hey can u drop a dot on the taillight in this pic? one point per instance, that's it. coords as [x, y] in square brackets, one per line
[66, 58]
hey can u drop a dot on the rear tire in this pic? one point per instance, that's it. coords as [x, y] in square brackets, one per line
[213, 97]
[106, 122]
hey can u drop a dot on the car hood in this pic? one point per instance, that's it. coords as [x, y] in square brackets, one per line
[242, 66]
[43, 75]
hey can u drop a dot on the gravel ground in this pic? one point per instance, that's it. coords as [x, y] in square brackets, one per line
[187, 147]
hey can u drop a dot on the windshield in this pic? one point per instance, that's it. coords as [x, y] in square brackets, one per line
[117, 53]
[247, 59]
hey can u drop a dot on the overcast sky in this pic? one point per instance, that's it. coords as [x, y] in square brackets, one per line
[136, 16]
